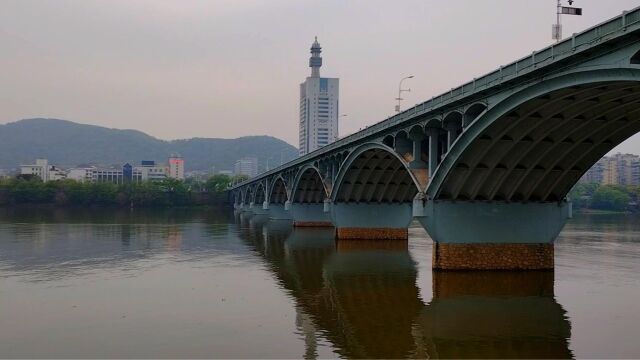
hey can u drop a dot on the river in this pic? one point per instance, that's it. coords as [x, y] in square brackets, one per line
[205, 283]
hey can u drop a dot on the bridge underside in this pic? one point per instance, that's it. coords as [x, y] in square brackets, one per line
[540, 149]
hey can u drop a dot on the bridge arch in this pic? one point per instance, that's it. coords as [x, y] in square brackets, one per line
[635, 58]
[374, 173]
[389, 141]
[278, 192]
[454, 117]
[403, 146]
[260, 194]
[472, 113]
[243, 196]
[537, 143]
[308, 186]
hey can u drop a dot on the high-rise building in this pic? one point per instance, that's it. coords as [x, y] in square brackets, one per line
[247, 166]
[176, 167]
[319, 100]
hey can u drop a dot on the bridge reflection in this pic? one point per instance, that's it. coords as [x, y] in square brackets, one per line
[364, 299]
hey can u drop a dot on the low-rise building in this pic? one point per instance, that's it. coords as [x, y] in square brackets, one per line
[147, 170]
[151, 171]
[116, 175]
[81, 174]
[43, 170]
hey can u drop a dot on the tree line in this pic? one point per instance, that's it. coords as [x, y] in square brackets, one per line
[605, 197]
[165, 193]
[192, 192]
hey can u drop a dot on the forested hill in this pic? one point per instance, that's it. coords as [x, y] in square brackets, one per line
[67, 144]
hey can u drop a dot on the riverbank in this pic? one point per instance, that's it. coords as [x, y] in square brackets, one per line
[165, 193]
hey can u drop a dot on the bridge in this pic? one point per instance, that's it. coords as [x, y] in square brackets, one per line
[485, 167]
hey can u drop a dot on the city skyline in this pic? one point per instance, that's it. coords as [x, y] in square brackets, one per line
[174, 68]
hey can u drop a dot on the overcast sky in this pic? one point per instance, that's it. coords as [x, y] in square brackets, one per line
[229, 68]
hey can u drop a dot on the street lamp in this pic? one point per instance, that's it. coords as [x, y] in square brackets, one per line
[401, 90]
[338, 126]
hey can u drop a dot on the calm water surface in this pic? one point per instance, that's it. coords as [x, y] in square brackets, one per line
[194, 283]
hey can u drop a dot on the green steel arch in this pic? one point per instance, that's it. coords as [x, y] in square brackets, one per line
[309, 186]
[278, 193]
[542, 138]
[374, 172]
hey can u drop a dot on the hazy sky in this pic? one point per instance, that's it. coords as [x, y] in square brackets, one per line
[228, 68]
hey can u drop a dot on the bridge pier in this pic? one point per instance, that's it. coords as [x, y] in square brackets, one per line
[260, 209]
[279, 212]
[310, 215]
[371, 221]
[494, 235]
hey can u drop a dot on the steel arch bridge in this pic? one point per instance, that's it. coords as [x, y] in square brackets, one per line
[485, 168]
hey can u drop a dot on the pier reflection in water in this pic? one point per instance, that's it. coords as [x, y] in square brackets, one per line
[363, 297]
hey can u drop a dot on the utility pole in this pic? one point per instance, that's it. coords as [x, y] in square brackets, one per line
[400, 91]
[556, 31]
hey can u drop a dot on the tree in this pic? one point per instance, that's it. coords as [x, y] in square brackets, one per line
[610, 197]
[218, 183]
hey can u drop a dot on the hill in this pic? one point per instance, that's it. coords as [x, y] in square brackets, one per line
[68, 144]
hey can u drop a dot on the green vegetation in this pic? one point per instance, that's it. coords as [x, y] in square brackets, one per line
[605, 197]
[31, 190]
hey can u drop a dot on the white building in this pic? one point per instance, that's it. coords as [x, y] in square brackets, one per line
[319, 112]
[56, 173]
[81, 174]
[247, 166]
[39, 169]
[176, 167]
[43, 170]
[151, 171]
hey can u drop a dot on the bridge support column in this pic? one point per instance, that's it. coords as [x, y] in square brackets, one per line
[278, 212]
[493, 235]
[417, 162]
[371, 221]
[433, 150]
[310, 215]
[452, 130]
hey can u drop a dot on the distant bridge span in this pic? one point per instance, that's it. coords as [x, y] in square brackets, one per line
[485, 167]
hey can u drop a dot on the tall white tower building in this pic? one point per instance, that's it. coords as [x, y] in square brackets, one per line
[318, 106]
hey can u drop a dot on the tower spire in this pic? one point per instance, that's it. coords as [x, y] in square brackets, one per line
[315, 61]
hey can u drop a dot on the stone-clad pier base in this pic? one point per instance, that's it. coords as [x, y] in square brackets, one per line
[312, 224]
[492, 256]
[352, 233]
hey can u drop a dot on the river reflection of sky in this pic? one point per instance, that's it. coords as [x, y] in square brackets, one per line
[346, 298]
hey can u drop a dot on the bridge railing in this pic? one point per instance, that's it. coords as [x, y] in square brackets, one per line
[626, 22]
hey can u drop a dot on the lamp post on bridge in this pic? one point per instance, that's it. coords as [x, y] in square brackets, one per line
[556, 32]
[401, 90]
